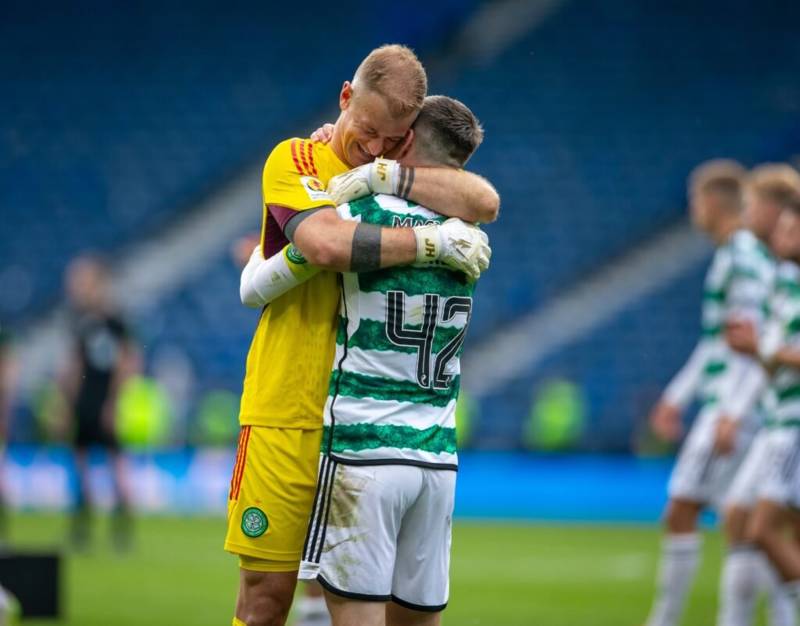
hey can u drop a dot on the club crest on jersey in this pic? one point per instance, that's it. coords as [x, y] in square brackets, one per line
[295, 256]
[314, 188]
[254, 522]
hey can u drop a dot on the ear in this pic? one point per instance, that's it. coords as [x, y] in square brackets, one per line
[346, 95]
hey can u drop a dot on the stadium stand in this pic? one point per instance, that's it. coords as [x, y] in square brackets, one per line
[595, 179]
[108, 143]
[619, 368]
[589, 138]
[581, 182]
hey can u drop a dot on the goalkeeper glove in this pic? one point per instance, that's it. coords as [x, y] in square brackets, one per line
[380, 176]
[460, 246]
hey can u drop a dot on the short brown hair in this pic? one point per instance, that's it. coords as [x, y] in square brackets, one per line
[446, 131]
[723, 178]
[778, 183]
[394, 72]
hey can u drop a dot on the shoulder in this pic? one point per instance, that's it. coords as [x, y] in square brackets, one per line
[288, 153]
[723, 256]
[296, 155]
[788, 273]
[291, 178]
[746, 245]
[406, 208]
[788, 281]
[384, 210]
[741, 244]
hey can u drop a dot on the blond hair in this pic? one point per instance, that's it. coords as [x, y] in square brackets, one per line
[778, 183]
[394, 72]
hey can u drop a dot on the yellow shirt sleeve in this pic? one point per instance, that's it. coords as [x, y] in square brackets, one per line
[291, 178]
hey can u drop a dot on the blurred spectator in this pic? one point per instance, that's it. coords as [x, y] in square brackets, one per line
[6, 386]
[102, 357]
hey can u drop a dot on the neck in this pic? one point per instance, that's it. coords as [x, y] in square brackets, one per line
[336, 145]
[725, 229]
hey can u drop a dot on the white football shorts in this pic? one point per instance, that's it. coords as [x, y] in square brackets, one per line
[782, 465]
[382, 533]
[700, 474]
[750, 475]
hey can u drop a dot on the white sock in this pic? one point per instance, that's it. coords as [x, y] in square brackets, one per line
[680, 556]
[312, 607]
[782, 611]
[742, 579]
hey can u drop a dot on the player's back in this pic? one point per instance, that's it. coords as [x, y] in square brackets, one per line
[396, 373]
[738, 286]
[783, 328]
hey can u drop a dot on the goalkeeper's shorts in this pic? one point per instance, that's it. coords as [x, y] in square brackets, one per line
[272, 489]
[382, 533]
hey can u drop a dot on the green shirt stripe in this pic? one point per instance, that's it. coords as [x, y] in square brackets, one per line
[793, 326]
[358, 437]
[355, 385]
[717, 295]
[429, 280]
[790, 393]
[371, 212]
[715, 368]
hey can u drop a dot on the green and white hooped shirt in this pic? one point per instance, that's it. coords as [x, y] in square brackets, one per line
[782, 402]
[738, 285]
[396, 374]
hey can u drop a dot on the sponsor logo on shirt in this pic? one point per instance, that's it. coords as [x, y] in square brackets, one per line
[314, 188]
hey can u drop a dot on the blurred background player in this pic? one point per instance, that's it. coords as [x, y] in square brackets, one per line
[103, 355]
[737, 284]
[771, 475]
[6, 386]
[771, 190]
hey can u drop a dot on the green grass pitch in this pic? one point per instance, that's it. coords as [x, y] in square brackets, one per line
[502, 574]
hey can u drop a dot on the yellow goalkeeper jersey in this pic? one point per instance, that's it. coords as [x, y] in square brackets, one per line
[289, 362]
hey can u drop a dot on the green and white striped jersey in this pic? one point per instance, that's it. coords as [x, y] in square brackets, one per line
[738, 285]
[782, 403]
[396, 373]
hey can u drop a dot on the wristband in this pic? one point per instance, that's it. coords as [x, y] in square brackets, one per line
[297, 263]
[385, 177]
[428, 243]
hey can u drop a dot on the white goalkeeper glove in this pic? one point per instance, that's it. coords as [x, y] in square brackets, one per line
[380, 176]
[459, 245]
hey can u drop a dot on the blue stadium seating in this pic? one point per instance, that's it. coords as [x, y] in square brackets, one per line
[589, 140]
[116, 116]
[620, 368]
[592, 122]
